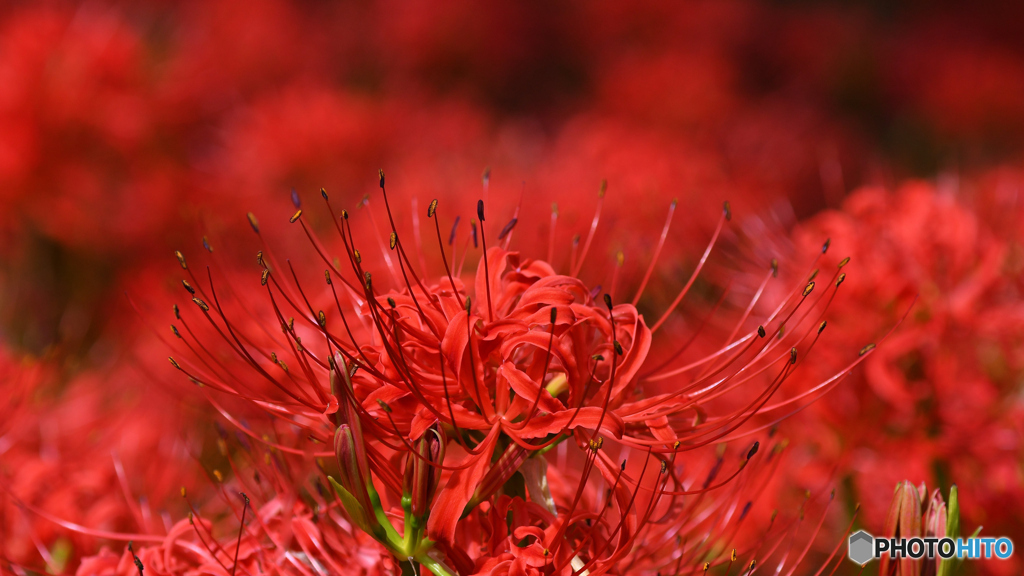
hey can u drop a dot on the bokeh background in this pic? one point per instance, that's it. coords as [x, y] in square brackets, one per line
[131, 129]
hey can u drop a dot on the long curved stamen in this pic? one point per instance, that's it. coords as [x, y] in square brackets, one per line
[657, 253]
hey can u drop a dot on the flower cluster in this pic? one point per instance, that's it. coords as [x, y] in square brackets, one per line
[942, 396]
[510, 427]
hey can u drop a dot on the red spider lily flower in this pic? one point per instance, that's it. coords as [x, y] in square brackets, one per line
[442, 403]
[83, 458]
[265, 521]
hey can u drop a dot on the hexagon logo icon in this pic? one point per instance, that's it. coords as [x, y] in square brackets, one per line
[860, 547]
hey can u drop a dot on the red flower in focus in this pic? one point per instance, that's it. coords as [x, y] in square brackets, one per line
[442, 404]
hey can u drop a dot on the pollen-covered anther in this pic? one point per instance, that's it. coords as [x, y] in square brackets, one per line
[181, 259]
[824, 247]
[775, 268]
[432, 208]
[321, 318]
[866, 349]
[206, 244]
[188, 287]
[175, 330]
[218, 475]
[176, 310]
[821, 327]
[253, 222]
[296, 216]
[792, 355]
[202, 305]
[808, 289]
[380, 172]
[174, 362]
[732, 556]
[327, 276]
[264, 276]
[259, 259]
[384, 406]
[393, 241]
[358, 257]
[844, 261]
[842, 277]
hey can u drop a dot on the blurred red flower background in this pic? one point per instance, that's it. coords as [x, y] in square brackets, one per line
[131, 130]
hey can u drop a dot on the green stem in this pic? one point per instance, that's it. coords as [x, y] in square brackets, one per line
[436, 566]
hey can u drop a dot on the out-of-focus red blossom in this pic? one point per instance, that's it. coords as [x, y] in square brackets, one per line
[83, 458]
[940, 400]
[80, 150]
